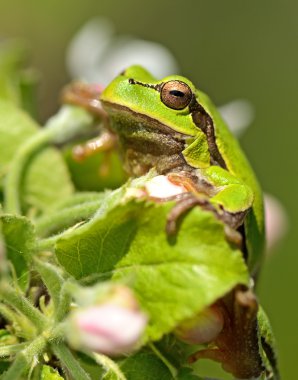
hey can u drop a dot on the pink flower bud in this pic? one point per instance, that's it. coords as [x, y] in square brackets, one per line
[203, 328]
[112, 328]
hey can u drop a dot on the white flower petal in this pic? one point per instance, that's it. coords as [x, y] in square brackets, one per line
[238, 114]
[276, 221]
[95, 55]
[161, 187]
[125, 51]
[88, 47]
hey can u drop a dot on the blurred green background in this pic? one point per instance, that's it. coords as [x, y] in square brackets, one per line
[231, 49]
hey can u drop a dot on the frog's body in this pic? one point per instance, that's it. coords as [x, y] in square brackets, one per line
[193, 140]
[173, 127]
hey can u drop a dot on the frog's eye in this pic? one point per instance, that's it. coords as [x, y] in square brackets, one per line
[175, 94]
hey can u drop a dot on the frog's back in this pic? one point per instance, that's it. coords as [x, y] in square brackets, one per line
[238, 165]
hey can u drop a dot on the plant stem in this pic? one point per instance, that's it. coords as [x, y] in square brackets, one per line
[70, 363]
[52, 279]
[26, 329]
[65, 218]
[66, 124]
[48, 244]
[14, 177]
[3, 260]
[9, 314]
[64, 303]
[19, 302]
[171, 368]
[11, 349]
[24, 359]
[108, 364]
[79, 198]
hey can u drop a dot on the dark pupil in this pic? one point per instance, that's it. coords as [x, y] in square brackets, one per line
[177, 93]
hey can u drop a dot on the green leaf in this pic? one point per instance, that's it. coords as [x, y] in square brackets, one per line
[19, 238]
[97, 246]
[52, 279]
[4, 366]
[97, 250]
[18, 84]
[49, 373]
[6, 338]
[187, 374]
[15, 127]
[111, 376]
[63, 217]
[103, 170]
[173, 278]
[145, 365]
[176, 279]
[41, 187]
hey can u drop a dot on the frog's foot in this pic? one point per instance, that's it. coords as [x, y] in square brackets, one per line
[186, 202]
[237, 346]
[87, 96]
[106, 142]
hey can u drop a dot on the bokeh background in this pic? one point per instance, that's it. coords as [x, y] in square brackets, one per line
[231, 49]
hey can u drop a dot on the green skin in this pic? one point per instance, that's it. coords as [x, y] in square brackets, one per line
[172, 141]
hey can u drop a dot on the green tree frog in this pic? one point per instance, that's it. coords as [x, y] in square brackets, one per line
[171, 126]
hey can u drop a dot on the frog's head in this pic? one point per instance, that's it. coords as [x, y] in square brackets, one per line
[167, 101]
[152, 117]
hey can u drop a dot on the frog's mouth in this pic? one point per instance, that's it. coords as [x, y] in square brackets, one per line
[125, 120]
[146, 142]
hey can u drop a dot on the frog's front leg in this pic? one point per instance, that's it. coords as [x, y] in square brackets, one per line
[222, 193]
[105, 142]
[87, 96]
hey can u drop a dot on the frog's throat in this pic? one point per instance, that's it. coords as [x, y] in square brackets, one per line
[138, 121]
[146, 142]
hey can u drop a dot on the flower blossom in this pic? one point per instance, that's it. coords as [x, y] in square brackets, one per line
[112, 327]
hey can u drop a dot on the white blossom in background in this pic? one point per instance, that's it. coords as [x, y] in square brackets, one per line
[96, 55]
[238, 114]
[276, 221]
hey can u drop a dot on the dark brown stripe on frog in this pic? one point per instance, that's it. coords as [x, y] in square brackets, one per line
[204, 121]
